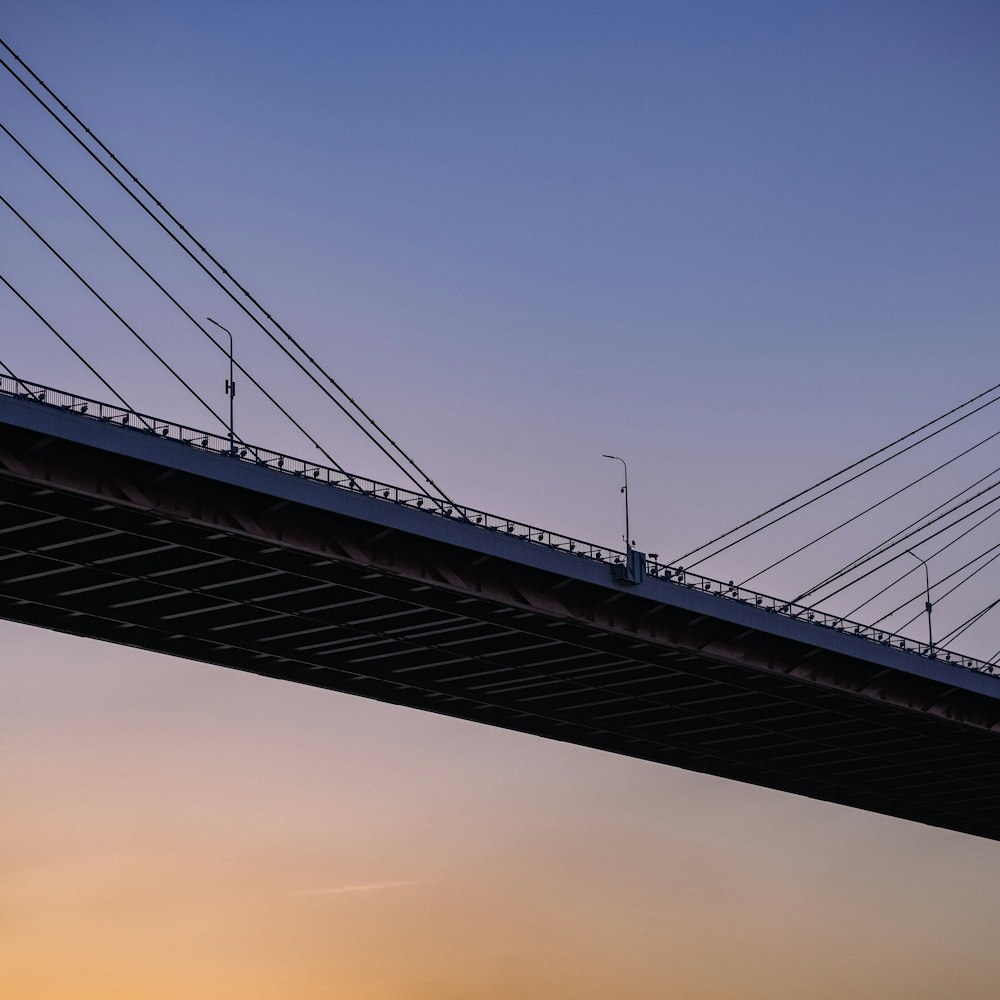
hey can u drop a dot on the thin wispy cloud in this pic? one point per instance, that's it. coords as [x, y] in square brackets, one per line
[337, 890]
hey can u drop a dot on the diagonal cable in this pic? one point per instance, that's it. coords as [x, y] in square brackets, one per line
[968, 623]
[846, 482]
[886, 544]
[212, 276]
[114, 312]
[76, 353]
[914, 569]
[868, 510]
[899, 555]
[961, 582]
[205, 333]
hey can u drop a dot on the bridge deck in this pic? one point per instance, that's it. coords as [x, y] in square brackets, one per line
[123, 535]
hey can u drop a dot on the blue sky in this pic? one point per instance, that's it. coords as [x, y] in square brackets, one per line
[739, 243]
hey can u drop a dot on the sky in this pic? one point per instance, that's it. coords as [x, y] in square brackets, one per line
[741, 244]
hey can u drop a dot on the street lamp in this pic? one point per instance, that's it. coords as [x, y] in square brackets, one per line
[927, 602]
[628, 542]
[230, 383]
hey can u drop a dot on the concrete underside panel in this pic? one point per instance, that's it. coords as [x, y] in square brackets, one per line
[115, 536]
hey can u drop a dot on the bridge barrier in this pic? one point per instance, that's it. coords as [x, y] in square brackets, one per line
[238, 450]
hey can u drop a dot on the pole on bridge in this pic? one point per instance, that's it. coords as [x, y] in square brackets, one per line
[927, 601]
[230, 383]
[628, 540]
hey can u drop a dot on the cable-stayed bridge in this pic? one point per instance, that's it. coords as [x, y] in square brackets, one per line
[123, 527]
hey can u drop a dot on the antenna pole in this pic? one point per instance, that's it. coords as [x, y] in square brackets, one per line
[927, 602]
[230, 383]
[628, 540]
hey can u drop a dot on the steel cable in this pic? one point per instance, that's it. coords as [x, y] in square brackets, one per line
[20, 382]
[968, 623]
[78, 355]
[886, 544]
[846, 482]
[899, 555]
[910, 572]
[201, 329]
[868, 510]
[960, 583]
[107, 305]
[222, 269]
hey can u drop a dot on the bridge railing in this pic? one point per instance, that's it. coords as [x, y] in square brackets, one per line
[238, 450]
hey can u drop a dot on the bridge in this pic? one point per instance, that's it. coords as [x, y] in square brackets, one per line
[123, 527]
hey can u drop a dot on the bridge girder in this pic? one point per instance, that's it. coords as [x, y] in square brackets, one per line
[115, 535]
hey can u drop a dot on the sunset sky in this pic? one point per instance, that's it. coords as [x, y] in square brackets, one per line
[740, 243]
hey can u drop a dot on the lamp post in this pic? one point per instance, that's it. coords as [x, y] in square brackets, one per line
[927, 601]
[628, 541]
[230, 383]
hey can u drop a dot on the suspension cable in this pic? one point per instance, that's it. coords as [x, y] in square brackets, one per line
[19, 381]
[868, 510]
[887, 543]
[943, 580]
[968, 623]
[77, 354]
[100, 298]
[912, 570]
[857, 475]
[201, 329]
[961, 582]
[212, 276]
[899, 555]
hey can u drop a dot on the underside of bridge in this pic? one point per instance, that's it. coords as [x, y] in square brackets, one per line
[114, 534]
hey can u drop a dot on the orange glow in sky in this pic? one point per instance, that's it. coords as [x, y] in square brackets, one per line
[741, 244]
[173, 830]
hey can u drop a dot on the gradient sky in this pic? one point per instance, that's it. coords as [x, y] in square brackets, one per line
[740, 243]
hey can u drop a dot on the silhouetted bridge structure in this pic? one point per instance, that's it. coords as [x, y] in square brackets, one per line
[130, 529]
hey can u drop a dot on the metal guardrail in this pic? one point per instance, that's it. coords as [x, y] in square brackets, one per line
[240, 451]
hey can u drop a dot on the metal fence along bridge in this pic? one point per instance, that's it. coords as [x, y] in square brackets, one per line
[124, 527]
[256, 455]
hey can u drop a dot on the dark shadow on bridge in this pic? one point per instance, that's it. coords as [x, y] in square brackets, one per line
[119, 531]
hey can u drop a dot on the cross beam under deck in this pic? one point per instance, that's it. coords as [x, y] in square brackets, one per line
[116, 533]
